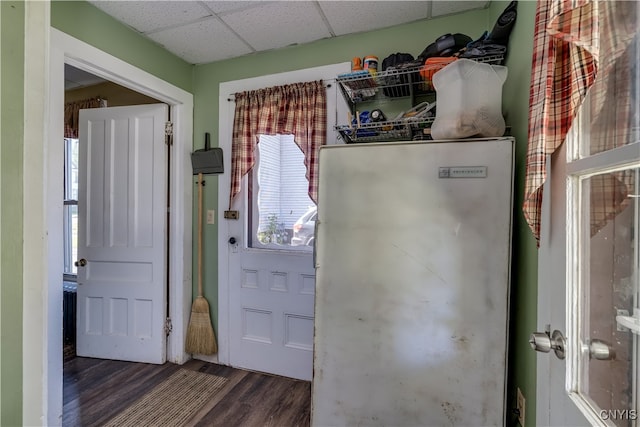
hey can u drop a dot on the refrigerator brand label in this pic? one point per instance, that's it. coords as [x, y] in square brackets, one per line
[462, 172]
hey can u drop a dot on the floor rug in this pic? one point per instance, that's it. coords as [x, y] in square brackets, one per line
[172, 402]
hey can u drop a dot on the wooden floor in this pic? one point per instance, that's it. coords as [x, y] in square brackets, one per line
[96, 390]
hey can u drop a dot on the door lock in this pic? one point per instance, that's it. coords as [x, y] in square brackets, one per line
[80, 263]
[601, 350]
[545, 342]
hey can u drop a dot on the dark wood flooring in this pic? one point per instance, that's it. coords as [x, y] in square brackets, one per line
[96, 390]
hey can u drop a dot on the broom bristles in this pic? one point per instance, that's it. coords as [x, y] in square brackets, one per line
[200, 336]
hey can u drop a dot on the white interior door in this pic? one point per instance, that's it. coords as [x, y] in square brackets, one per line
[122, 234]
[589, 264]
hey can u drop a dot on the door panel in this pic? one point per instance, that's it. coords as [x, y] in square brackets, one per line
[273, 325]
[121, 234]
[271, 299]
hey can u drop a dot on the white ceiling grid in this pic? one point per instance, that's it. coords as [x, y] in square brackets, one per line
[207, 31]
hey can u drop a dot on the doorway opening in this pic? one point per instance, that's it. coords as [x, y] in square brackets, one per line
[45, 347]
[81, 89]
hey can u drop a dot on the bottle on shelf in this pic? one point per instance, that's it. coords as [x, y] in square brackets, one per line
[356, 64]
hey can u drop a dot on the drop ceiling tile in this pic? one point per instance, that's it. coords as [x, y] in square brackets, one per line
[278, 24]
[444, 7]
[201, 42]
[222, 7]
[146, 16]
[346, 17]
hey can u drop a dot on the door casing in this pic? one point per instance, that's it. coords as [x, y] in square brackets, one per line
[42, 337]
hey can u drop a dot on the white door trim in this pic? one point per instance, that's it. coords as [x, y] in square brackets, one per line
[43, 343]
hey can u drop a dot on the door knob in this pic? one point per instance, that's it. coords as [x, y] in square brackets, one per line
[540, 341]
[601, 350]
[544, 343]
[232, 240]
[80, 263]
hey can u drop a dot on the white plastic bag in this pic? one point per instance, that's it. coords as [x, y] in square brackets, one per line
[469, 100]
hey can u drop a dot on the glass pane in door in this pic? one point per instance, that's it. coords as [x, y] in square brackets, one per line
[610, 288]
[282, 215]
[614, 98]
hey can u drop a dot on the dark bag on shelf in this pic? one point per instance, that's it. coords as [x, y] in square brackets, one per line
[398, 83]
[494, 43]
[446, 45]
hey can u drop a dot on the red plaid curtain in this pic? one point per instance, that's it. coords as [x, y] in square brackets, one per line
[563, 68]
[299, 109]
[71, 113]
[573, 41]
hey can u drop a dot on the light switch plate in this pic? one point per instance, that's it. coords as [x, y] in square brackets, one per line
[211, 216]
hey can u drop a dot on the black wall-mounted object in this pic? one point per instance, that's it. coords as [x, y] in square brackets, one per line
[208, 160]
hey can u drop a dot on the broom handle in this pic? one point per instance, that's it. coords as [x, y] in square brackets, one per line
[200, 184]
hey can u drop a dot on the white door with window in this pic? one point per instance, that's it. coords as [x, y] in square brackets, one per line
[272, 325]
[266, 271]
[122, 233]
[589, 263]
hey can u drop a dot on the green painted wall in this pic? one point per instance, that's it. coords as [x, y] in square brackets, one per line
[85, 22]
[11, 198]
[524, 268]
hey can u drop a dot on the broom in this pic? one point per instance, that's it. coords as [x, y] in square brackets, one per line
[200, 336]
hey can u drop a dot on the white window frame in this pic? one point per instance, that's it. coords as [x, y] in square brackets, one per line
[69, 274]
[580, 166]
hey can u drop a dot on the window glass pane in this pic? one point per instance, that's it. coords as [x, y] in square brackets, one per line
[282, 209]
[71, 169]
[611, 288]
[70, 213]
[614, 98]
[70, 238]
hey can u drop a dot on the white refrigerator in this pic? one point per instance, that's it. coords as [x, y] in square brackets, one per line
[412, 283]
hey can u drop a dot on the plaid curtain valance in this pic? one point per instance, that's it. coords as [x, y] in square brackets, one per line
[579, 44]
[563, 68]
[299, 109]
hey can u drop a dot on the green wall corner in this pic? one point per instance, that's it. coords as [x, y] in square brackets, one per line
[524, 265]
[12, 30]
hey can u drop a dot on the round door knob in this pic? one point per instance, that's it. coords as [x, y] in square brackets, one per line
[544, 343]
[539, 341]
[80, 263]
[232, 240]
[601, 350]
